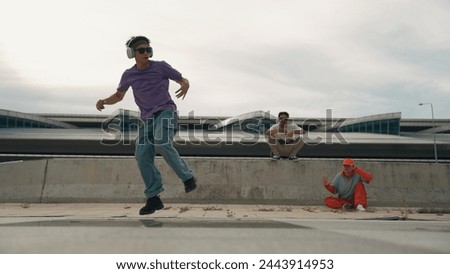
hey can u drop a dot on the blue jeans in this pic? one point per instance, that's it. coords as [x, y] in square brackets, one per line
[156, 136]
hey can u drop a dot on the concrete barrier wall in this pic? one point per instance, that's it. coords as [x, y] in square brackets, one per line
[22, 181]
[220, 180]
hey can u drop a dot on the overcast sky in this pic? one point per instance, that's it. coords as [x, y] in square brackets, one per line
[356, 57]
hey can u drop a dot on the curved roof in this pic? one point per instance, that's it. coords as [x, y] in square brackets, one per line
[259, 114]
[439, 129]
[348, 123]
[371, 118]
[28, 120]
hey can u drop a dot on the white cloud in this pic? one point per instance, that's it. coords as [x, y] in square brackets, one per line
[356, 57]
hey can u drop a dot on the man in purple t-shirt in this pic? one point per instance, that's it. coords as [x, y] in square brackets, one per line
[149, 80]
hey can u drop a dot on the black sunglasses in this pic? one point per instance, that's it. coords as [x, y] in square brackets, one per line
[142, 50]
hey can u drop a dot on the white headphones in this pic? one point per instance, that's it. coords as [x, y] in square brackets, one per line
[130, 51]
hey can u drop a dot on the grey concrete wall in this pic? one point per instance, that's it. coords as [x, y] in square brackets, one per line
[220, 180]
[22, 181]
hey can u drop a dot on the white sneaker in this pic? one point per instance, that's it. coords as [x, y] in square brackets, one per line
[360, 208]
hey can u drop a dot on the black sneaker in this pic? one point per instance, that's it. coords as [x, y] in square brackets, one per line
[190, 185]
[347, 206]
[153, 204]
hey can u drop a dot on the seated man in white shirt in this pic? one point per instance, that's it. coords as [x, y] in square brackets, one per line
[285, 138]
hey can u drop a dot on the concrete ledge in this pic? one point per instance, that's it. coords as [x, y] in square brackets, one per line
[220, 180]
[22, 181]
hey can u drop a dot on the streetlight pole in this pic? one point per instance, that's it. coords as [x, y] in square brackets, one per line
[434, 133]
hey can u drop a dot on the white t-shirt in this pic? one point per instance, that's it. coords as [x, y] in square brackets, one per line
[290, 126]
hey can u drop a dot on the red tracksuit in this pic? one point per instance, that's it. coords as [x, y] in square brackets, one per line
[350, 189]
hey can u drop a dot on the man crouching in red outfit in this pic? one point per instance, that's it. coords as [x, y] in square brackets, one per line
[349, 186]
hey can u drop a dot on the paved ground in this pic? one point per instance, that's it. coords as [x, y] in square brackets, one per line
[222, 211]
[197, 228]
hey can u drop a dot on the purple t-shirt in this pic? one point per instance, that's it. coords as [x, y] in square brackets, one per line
[150, 87]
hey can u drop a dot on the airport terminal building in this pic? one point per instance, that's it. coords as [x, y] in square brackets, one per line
[380, 136]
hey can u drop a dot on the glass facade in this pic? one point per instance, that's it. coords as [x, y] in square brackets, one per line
[385, 126]
[252, 122]
[20, 122]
